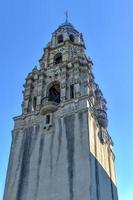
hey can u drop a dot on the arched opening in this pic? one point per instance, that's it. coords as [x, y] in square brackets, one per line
[54, 93]
[58, 58]
[72, 91]
[29, 105]
[60, 39]
[71, 38]
[34, 104]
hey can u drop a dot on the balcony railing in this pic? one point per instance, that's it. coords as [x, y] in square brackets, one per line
[48, 105]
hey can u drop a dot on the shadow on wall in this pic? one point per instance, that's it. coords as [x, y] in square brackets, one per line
[102, 187]
[102, 184]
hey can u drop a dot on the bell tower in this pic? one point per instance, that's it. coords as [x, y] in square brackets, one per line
[61, 148]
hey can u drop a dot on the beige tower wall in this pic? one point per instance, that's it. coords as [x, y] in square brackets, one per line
[65, 161]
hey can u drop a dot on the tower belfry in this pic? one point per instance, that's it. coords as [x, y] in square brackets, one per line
[61, 148]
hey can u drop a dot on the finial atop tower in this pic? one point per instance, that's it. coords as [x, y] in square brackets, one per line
[66, 14]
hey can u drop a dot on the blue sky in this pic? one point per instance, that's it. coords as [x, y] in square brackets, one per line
[107, 27]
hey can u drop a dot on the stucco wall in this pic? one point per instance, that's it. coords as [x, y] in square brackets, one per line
[53, 164]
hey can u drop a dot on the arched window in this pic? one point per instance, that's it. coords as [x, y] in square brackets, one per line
[58, 58]
[34, 104]
[47, 119]
[54, 93]
[60, 39]
[71, 38]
